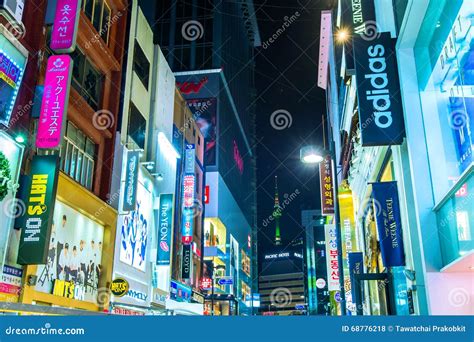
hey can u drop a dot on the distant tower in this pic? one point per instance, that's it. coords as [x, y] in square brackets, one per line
[277, 214]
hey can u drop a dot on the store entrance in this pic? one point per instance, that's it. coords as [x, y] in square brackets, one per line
[373, 294]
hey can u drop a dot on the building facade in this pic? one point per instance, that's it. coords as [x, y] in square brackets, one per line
[404, 157]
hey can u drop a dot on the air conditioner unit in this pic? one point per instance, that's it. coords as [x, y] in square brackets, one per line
[13, 9]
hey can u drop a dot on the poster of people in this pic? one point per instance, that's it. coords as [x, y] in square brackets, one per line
[135, 230]
[74, 258]
[205, 113]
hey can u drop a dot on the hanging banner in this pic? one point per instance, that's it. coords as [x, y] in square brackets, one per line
[34, 239]
[186, 262]
[356, 266]
[331, 257]
[327, 187]
[165, 228]
[358, 17]
[131, 181]
[189, 183]
[66, 20]
[378, 91]
[52, 121]
[388, 220]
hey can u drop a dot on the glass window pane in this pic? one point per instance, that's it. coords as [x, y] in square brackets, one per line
[72, 168]
[106, 16]
[88, 6]
[67, 161]
[77, 176]
[97, 14]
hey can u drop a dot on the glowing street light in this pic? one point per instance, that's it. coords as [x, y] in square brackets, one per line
[342, 35]
[311, 155]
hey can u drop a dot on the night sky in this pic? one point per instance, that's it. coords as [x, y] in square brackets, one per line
[286, 79]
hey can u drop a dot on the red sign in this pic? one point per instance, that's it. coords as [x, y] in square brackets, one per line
[239, 161]
[206, 283]
[191, 87]
[206, 194]
[126, 312]
[188, 185]
[327, 188]
[462, 192]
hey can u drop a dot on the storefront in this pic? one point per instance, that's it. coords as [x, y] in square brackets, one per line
[11, 154]
[135, 226]
[438, 40]
[79, 257]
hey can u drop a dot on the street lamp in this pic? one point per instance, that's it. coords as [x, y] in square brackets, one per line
[311, 154]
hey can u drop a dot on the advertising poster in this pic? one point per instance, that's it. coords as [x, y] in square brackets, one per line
[462, 119]
[205, 114]
[10, 79]
[135, 230]
[52, 121]
[234, 264]
[74, 261]
[10, 157]
[39, 207]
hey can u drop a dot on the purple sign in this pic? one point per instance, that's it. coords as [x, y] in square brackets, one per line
[54, 105]
[66, 19]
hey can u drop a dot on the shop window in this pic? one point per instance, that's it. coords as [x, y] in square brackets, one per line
[77, 155]
[136, 126]
[87, 80]
[245, 263]
[141, 65]
[447, 84]
[456, 222]
[99, 13]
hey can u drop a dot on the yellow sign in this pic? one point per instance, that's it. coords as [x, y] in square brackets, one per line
[119, 287]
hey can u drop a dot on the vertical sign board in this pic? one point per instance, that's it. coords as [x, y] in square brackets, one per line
[356, 266]
[331, 257]
[189, 182]
[165, 229]
[66, 20]
[186, 262]
[35, 235]
[131, 181]
[327, 188]
[389, 223]
[378, 91]
[358, 17]
[52, 121]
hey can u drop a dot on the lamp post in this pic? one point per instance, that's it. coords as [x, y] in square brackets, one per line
[311, 154]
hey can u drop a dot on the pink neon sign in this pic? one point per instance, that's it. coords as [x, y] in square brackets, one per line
[66, 19]
[54, 104]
